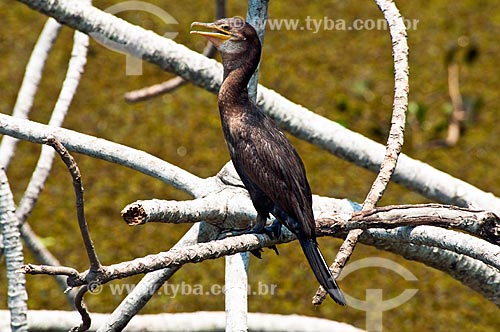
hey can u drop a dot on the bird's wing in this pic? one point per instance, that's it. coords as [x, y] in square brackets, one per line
[270, 161]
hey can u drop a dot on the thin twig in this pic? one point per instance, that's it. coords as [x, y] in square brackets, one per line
[457, 116]
[77, 185]
[165, 87]
[48, 270]
[82, 310]
[396, 135]
[45, 257]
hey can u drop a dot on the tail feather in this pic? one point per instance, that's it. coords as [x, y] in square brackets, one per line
[321, 270]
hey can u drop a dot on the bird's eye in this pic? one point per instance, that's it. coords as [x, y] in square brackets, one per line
[225, 27]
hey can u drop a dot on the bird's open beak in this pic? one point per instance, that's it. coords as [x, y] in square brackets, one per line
[217, 37]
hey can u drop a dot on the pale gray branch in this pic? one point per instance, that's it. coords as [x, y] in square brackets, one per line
[482, 224]
[336, 217]
[29, 86]
[396, 240]
[103, 149]
[479, 223]
[62, 321]
[200, 232]
[459, 243]
[232, 209]
[14, 258]
[395, 141]
[482, 278]
[426, 237]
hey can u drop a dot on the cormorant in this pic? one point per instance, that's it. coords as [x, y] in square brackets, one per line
[264, 158]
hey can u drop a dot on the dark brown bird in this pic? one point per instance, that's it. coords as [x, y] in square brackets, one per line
[264, 158]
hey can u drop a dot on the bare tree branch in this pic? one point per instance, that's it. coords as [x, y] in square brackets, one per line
[232, 245]
[80, 208]
[29, 86]
[421, 236]
[61, 321]
[103, 149]
[48, 270]
[220, 209]
[395, 141]
[475, 274]
[175, 257]
[482, 224]
[151, 283]
[80, 307]
[14, 258]
[200, 232]
[157, 210]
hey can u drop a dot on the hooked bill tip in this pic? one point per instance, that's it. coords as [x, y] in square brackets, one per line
[200, 24]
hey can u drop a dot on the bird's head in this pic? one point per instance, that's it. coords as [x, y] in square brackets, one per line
[230, 35]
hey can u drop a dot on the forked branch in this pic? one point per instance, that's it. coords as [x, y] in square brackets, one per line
[477, 223]
[396, 135]
[77, 185]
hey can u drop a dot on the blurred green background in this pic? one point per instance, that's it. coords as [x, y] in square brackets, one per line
[343, 75]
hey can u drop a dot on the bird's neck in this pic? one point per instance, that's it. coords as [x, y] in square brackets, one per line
[237, 73]
[234, 89]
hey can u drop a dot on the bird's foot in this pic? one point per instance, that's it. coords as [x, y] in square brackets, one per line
[228, 233]
[231, 232]
[274, 231]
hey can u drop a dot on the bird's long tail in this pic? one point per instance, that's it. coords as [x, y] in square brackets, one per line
[321, 270]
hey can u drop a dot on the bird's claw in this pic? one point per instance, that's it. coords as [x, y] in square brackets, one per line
[273, 231]
[257, 253]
